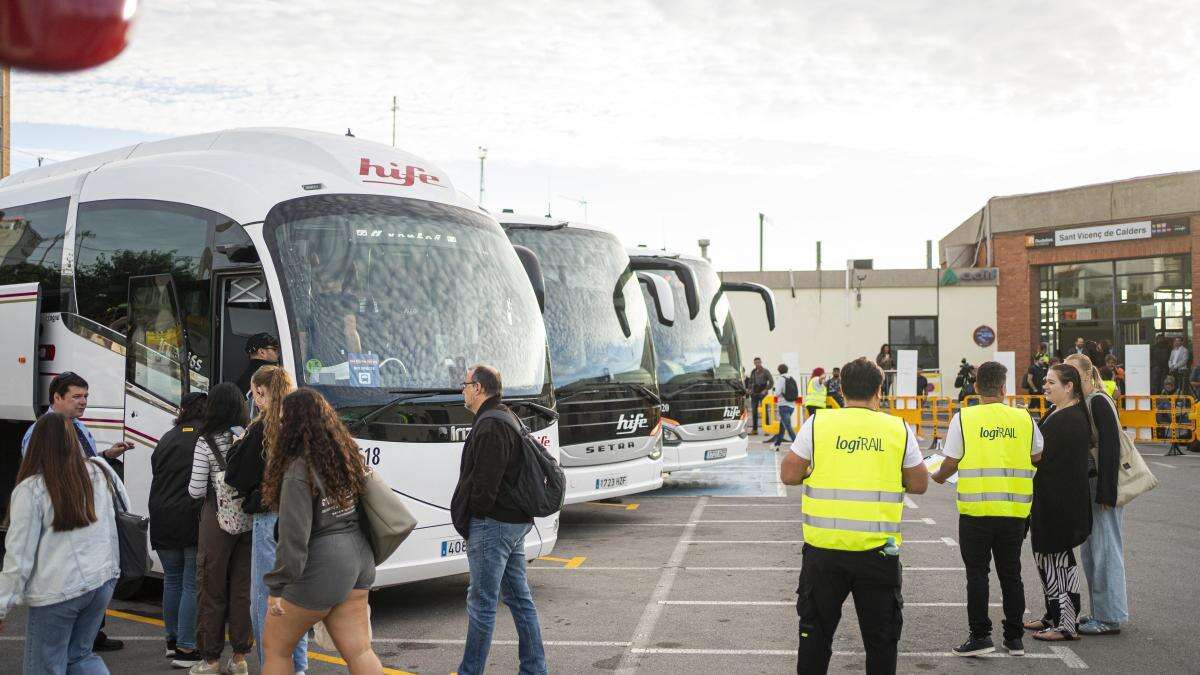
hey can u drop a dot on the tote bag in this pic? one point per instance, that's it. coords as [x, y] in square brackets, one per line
[387, 521]
[1133, 476]
[231, 517]
[132, 534]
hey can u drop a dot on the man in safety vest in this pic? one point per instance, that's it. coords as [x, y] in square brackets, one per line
[815, 393]
[993, 447]
[856, 463]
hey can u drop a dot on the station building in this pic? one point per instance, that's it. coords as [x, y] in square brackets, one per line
[1115, 261]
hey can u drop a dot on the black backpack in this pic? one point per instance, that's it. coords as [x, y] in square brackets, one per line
[541, 485]
[791, 391]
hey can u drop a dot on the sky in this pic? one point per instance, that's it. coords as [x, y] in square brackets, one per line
[869, 126]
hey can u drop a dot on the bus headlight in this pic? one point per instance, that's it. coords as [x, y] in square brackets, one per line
[671, 437]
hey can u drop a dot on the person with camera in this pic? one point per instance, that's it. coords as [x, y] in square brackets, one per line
[965, 380]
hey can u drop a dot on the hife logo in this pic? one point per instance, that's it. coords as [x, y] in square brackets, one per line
[395, 175]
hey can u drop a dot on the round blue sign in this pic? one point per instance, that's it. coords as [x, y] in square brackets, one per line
[984, 336]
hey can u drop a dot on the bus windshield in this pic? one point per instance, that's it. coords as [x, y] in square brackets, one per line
[385, 293]
[582, 268]
[701, 348]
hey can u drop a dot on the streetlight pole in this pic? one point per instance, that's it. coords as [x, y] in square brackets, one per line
[482, 159]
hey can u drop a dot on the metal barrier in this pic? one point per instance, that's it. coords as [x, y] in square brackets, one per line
[1159, 419]
[928, 415]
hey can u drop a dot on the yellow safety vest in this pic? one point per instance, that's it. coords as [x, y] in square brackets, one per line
[1110, 388]
[815, 398]
[854, 498]
[995, 475]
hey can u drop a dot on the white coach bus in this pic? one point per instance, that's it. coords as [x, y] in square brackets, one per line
[698, 361]
[609, 429]
[145, 269]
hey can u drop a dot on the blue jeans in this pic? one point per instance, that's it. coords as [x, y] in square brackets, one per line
[785, 424]
[179, 595]
[262, 560]
[1103, 560]
[59, 637]
[496, 555]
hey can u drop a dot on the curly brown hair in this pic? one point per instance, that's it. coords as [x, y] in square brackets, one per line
[311, 431]
[278, 384]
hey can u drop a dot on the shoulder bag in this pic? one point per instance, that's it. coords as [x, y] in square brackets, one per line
[1133, 476]
[132, 533]
[231, 517]
[387, 521]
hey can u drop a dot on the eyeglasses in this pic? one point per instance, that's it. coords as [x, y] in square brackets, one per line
[464, 384]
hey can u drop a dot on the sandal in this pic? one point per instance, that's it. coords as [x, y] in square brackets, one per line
[1055, 635]
[1038, 625]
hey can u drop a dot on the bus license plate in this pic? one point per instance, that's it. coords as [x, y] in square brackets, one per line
[609, 482]
[718, 453]
[453, 547]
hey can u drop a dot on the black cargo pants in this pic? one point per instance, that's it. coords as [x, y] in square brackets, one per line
[826, 578]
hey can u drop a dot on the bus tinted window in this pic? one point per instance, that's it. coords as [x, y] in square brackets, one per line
[31, 247]
[118, 239]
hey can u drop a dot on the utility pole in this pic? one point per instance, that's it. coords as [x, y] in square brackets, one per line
[5, 114]
[393, 121]
[761, 218]
[482, 159]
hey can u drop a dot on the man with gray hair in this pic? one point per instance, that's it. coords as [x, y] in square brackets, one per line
[486, 515]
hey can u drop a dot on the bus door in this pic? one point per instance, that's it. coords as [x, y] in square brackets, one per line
[155, 377]
[245, 309]
[20, 314]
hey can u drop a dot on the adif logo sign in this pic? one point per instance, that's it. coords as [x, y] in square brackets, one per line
[629, 424]
[395, 175]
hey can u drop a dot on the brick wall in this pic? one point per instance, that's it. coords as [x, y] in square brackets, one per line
[1017, 295]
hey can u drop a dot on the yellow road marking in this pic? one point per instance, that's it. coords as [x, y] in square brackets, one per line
[568, 563]
[627, 507]
[324, 658]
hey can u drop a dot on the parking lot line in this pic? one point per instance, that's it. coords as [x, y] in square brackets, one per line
[944, 540]
[792, 603]
[1169, 466]
[503, 643]
[1067, 659]
[650, 615]
[910, 503]
[623, 507]
[568, 563]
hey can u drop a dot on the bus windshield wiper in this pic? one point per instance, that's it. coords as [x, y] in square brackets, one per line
[405, 395]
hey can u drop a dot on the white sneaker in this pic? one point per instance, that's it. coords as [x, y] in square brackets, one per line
[238, 667]
[205, 668]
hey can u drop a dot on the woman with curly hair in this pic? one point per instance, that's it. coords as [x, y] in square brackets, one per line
[247, 464]
[324, 566]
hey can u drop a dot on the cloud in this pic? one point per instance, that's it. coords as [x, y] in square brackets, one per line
[714, 111]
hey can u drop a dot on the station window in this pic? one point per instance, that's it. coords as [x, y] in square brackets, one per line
[31, 242]
[119, 239]
[1119, 301]
[915, 332]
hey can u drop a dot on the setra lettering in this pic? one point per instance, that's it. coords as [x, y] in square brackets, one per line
[852, 445]
[997, 432]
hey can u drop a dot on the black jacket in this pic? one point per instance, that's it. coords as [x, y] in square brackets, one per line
[491, 460]
[1108, 464]
[174, 515]
[243, 381]
[245, 467]
[1062, 503]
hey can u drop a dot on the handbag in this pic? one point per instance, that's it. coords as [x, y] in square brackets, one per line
[1133, 476]
[132, 533]
[322, 638]
[387, 521]
[231, 517]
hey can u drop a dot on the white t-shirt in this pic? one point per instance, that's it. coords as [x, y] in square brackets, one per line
[953, 447]
[803, 445]
[780, 385]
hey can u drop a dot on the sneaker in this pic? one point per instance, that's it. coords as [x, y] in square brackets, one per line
[238, 667]
[205, 668]
[1015, 647]
[1096, 627]
[103, 643]
[185, 659]
[976, 646]
[170, 648]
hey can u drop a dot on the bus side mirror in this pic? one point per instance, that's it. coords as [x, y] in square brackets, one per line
[660, 291]
[682, 271]
[63, 35]
[533, 270]
[749, 287]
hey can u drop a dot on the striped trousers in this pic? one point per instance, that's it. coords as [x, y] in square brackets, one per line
[1060, 583]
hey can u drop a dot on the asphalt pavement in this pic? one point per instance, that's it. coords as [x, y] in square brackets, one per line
[700, 577]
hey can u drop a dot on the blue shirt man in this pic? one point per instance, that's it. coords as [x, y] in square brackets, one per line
[68, 396]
